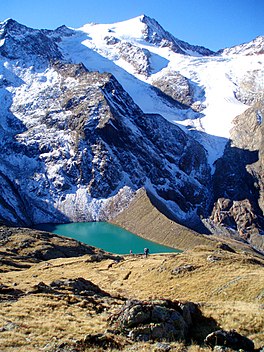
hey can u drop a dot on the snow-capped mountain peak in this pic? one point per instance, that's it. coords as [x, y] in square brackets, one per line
[154, 33]
[10, 27]
[143, 30]
[9, 23]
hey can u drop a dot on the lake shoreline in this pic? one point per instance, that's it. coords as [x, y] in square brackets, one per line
[108, 237]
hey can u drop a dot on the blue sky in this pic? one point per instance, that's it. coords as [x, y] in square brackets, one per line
[212, 23]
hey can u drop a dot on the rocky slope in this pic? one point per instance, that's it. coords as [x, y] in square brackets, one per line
[90, 116]
[94, 141]
[155, 34]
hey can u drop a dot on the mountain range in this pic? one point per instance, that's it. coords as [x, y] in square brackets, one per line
[91, 116]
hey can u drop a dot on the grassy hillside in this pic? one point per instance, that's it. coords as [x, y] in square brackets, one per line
[44, 306]
[144, 219]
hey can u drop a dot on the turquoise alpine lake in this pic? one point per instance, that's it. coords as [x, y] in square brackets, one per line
[106, 236]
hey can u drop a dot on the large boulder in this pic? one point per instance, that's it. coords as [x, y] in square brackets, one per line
[229, 339]
[155, 320]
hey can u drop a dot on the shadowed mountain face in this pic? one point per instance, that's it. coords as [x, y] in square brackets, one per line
[75, 146]
[28, 46]
[239, 179]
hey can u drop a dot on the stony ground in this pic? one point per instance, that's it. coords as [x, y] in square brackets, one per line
[64, 304]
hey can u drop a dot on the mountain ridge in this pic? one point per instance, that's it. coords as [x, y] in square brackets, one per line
[253, 47]
[151, 23]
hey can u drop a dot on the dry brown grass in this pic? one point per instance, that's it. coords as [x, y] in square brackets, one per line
[41, 318]
[229, 290]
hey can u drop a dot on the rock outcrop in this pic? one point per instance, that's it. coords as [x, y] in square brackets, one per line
[155, 34]
[175, 86]
[157, 320]
[26, 45]
[229, 339]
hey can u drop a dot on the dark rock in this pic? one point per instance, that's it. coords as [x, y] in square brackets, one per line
[225, 247]
[78, 286]
[9, 293]
[27, 45]
[189, 311]
[103, 256]
[155, 320]
[101, 340]
[230, 339]
[14, 264]
[41, 287]
[139, 58]
[213, 258]
[183, 269]
[110, 40]
[178, 87]
[135, 314]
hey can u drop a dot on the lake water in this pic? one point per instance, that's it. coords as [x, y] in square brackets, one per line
[109, 237]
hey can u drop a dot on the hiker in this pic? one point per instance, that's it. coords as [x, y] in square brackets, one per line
[146, 252]
[131, 252]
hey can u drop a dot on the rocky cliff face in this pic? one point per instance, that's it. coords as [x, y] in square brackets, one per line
[239, 179]
[179, 89]
[249, 88]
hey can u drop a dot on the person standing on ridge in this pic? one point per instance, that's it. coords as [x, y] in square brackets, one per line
[146, 252]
